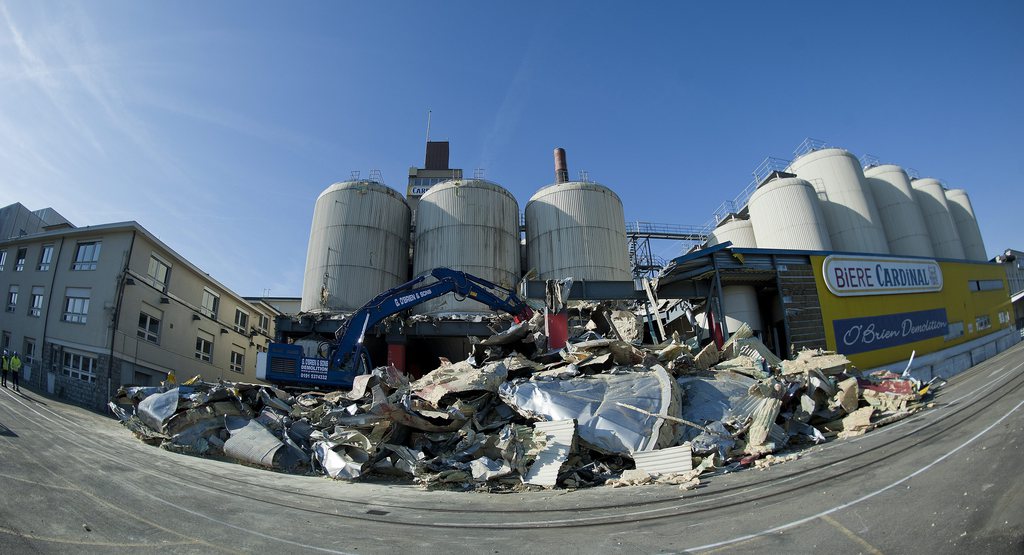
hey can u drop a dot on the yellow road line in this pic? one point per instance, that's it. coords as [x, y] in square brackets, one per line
[849, 533]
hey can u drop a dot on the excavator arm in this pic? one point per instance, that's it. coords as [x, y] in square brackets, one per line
[347, 358]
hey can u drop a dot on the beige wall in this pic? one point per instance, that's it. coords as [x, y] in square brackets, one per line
[181, 319]
[175, 347]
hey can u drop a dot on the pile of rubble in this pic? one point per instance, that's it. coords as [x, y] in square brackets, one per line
[603, 410]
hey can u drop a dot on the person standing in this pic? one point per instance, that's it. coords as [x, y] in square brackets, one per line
[4, 362]
[15, 365]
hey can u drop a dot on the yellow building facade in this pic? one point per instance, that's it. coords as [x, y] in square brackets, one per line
[879, 310]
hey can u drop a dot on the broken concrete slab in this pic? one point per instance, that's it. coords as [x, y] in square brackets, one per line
[707, 357]
[847, 396]
[745, 365]
[857, 422]
[827, 362]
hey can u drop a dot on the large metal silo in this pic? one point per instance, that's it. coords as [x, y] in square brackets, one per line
[358, 246]
[905, 228]
[741, 307]
[577, 229]
[966, 224]
[786, 214]
[740, 232]
[850, 213]
[931, 197]
[469, 225]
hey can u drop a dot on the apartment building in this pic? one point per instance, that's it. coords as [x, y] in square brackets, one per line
[92, 308]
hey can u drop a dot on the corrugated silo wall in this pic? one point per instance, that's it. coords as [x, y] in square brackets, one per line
[577, 230]
[850, 212]
[358, 246]
[471, 226]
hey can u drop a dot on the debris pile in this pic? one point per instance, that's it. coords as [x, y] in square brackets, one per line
[605, 409]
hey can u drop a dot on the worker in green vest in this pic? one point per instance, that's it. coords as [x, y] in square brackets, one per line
[4, 363]
[15, 365]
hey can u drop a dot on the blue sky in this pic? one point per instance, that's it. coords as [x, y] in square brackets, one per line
[215, 125]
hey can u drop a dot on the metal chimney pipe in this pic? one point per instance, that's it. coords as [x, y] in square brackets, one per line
[561, 168]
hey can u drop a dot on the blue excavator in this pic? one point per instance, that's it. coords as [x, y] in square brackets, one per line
[287, 365]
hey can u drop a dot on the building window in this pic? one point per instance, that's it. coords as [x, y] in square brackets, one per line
[211, 302]
[36, 309]
[3, 260]
[19, 261]
[12, 298]
[985, 285]
[7, 340]
[241, 321]
[45, 258]
[29, 354]
[159, 273]
[983, 322]
[149, 327]
[264, 323]
[86, 256]
[76, 305]
[237, 359]
[204, 346]
[80, 367]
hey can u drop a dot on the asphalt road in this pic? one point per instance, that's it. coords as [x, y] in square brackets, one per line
[943, 481]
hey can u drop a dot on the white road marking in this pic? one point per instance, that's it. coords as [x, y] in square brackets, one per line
[837, 508]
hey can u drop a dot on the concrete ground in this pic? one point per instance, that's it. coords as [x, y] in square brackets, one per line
[942, 481]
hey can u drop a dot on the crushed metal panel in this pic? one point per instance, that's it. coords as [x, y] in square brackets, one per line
[156, 409]
[593, 402]
[458, 378]
[560, 439]
[744, 332]
[485, 468]
[763, 433]
[724, 396]
[629, 326]
[251, 442]
[384, 409]
[514, 334]
[340, 461]
[755, 349]
[672, 460]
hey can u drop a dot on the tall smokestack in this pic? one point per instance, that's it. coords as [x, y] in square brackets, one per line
[561, 169]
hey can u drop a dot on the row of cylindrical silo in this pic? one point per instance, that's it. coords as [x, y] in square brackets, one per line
[359, 240]
[828, 202]
[851, 216]
[904, 225]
